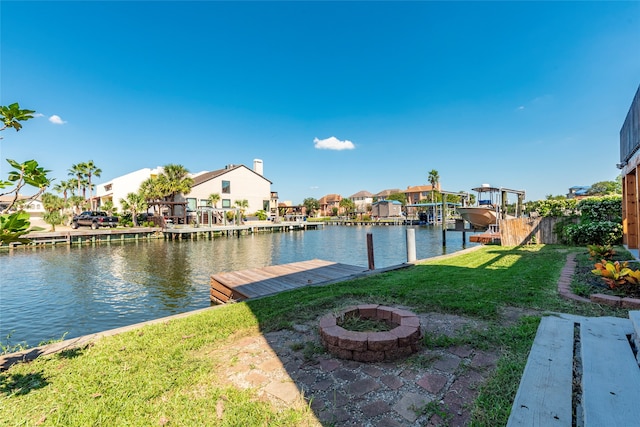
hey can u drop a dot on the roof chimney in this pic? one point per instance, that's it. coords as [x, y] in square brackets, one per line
[257, 166]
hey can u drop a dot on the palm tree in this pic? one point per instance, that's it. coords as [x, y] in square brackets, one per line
[173, 181]
[214, 198]
[242, 205]
[434, 179]
[77, 171]
[65, 187]
[91, 170]
[151, 192]
[134, 203]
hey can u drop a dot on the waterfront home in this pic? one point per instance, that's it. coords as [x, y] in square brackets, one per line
[328, 203]
[386, 193]
[629, 165]
[362, 201]
[233, 183]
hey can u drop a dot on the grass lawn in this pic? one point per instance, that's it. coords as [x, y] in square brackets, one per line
[157, 375]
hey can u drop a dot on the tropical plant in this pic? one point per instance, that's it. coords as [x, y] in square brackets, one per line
[64, 188]
[77, 170]
[214, 198]
[53, 206]
[134, 204]
[348, 206]
[242, 205]
[601, 251]
[173, 181]
[616, 274]
[311, 205]
[12, 115]
[91, 170]
[434, 180]
[13, 226]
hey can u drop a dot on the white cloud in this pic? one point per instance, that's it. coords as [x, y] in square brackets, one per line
[333, 143]
[56, 120]
[520, 108]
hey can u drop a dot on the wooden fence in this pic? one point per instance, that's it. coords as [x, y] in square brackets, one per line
[526, 231]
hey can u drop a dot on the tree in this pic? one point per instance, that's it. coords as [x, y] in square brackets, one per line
[173, 181]
[52, 205]
[434, 180]
[77, 171]
[605, 188]
[91, 170]
[401, 197]
[242, 205]
[134, 204]
[13, 226]
[348, 206]
[311, 205]
[151, 191]
[13, 115]
[64, 188]
[214, 198]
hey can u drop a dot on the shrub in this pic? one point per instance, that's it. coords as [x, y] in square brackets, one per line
[593, 233]
[604, 252]
[554, 208]
[607, 208]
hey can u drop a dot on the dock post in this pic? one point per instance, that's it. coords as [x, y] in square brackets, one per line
[370, 251]
[411, 244]
[444, 220]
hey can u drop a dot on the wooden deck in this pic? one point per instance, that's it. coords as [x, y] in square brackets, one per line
[486, 237]
[580, 371]
[258, 282]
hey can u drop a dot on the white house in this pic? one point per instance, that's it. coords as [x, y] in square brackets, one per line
[362, 201]
[233, 183]
[119, 187]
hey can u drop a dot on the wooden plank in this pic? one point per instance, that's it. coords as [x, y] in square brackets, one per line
[610, 377]
[272, 279]
[544, 394]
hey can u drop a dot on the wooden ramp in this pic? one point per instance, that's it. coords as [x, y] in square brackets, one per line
[258, 282]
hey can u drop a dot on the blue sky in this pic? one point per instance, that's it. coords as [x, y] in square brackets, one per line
[334, 97]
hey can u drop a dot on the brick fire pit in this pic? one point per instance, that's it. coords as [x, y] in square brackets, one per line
[371, 346]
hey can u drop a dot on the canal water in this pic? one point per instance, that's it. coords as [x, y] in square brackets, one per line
[49, 292]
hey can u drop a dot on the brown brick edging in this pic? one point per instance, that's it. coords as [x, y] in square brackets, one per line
[372, 346]
[564, 289]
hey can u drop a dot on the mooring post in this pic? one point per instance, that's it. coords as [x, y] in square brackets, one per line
[370, 251]
[444, 220]
[411, 244]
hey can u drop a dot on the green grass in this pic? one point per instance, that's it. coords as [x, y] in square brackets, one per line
[161, 374]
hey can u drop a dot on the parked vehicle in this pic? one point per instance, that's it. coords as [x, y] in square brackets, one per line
[94, 219]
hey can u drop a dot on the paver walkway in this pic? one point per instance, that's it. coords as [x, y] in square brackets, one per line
[431, 387]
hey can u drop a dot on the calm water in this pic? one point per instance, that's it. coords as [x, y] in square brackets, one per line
[46, 292]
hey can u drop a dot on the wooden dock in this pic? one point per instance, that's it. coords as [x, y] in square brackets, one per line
[259, 282]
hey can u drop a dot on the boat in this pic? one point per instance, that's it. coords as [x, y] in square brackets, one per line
[487, 210]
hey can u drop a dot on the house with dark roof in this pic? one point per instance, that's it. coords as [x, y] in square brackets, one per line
[233, 183]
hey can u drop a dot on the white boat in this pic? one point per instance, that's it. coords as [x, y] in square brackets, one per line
[487, 210]
[480, 217]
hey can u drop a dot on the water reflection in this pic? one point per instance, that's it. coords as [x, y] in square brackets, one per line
[46, 292]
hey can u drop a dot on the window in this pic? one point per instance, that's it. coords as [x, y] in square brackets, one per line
[226, 203]
[191, 203]
[107, 187]
[205, 202]
[265, 205]
[226, 187]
